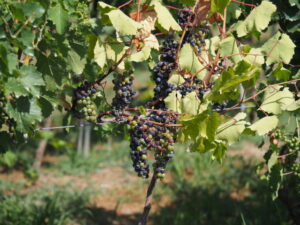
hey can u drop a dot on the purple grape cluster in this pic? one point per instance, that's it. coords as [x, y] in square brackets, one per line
[147, 135]
[124, 91]
[164, 67]
[194, 34]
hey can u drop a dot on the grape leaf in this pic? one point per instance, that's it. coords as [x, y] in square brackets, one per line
[191, 103]
[273, 159]
[28, 82]
[228, 47]
[202, 145]
[276, 100]
[219, 151]
[141, 56]
[25, 111]
[176, 79]
[59, 17]
[275, 179]
[100, 54]
[104, 9]
[231, 130]
[265, 125]
[281, 73]
[218, 6]
[255, 56]
[188, 60]
[188, 2]
[173, 101]
[165, 18]
[32, 10]
[257, 20]
[122, 23]
[76, 63]
[279, 47]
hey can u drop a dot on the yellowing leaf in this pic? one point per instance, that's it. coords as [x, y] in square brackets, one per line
[173, 101]
[231, 130]
[122, 23]
[165, 18]
[141, 55]
[191, 103]
[279, 47]
[228, 47]
[188, 60]
[257, 20]
[265, 125]
[276, 100]
[100, 54]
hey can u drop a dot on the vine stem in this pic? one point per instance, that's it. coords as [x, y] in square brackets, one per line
[243, 3]
[148, 202]
[260, 92]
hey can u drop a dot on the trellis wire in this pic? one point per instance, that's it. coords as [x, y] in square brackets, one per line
[106, 122]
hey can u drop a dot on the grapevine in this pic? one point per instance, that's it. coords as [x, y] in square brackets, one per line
[203, 63]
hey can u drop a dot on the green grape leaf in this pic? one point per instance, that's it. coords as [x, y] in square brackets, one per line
[188, 2]
[213, 122]
[31, 10]
[218, 6]
[275, 179]
[233, 11]
[165, 18]
[48, 101]
[226, 85]
[191, 103]
[15, 86]
[281, 73]
[28, 82]
[25, 111]
[12, 62]
[232, 129]
[188, 60]
[76, 63]
[219, 151]
[59, 17]
[255, 57]
[273, 159]
[212, 45]
[202, 145]
[142, 110]
[257, 20]
[279, 47]
[141, 56]
[173, 101]
[104, 9]
[228, 47]
[122, 23]
[176, 79]
[265, 125]
[276, 100]
[100, 54]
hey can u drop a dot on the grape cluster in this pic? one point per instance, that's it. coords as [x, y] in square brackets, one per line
[139, 144]
[186, 18]
[219, 107]
[194, 34]
[148, 134]
[84, 97]
[124, 91]
[290, 148]
[164, 67]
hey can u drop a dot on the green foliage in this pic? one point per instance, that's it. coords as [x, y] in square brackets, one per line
[257, 20]
[8, 160]
[48, 48]
[46, 206]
